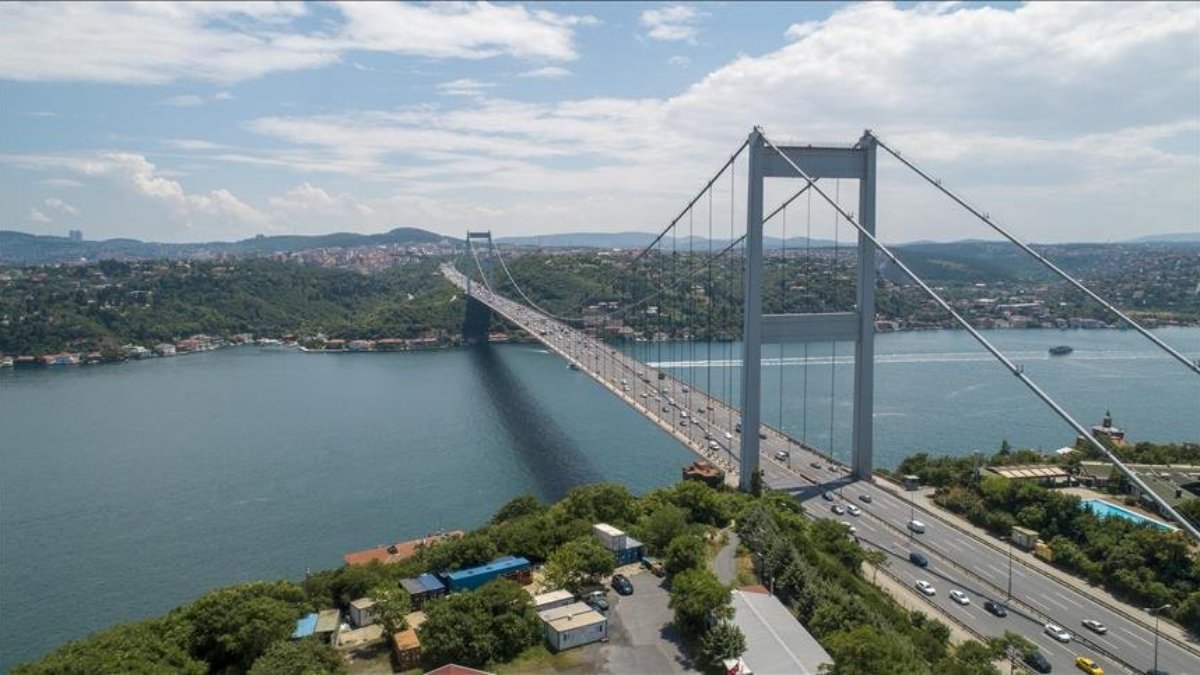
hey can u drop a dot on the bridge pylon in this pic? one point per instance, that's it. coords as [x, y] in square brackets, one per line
[853, 163]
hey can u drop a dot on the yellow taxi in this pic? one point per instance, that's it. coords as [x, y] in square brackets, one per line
[1088, 666]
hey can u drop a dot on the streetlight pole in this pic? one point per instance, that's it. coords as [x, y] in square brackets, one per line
[1156, 611]
[1008, 594]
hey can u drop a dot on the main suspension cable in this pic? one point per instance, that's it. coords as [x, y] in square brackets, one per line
[1193, 366]
[1015, 369]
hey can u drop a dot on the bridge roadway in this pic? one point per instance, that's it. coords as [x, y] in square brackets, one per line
[959, 559]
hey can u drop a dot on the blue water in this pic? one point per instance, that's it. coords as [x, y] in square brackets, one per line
[128, 490]
[1104, 509]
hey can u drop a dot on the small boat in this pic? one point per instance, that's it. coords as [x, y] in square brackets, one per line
[572, 366]
[1060, 350]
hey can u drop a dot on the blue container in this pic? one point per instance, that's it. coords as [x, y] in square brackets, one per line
[474, 577]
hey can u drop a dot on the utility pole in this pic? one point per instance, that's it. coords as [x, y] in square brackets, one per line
[1156, 611]
[1008, 594]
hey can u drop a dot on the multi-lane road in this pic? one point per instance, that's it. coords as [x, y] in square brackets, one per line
[958, 559]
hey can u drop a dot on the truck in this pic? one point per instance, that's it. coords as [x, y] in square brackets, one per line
[1042, 550]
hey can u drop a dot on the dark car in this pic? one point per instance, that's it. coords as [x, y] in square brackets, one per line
[1157, 672]
[995, 608]
[827, 496]
[865, 498]
[1038, 662]
[622, 585]
[918, 559]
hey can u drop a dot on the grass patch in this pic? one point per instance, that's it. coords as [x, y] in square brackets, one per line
[539, 659]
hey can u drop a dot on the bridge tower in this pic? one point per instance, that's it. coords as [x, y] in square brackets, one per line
[479, 316]
[855, 163]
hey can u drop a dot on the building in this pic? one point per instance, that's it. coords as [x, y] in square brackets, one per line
[775, 640]
[407, 649]
[705, 472]
[305, 626]
[471, 578]
[1045, 474]
[455, 669]
[423, 588]
[360, 612]
[552, 600]
[1105, 431]
[624, 547]
[328, 623]
[573, 625]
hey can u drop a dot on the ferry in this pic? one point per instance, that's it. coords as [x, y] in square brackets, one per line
[1060, 350]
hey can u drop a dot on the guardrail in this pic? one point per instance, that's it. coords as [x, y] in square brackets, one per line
[1028, 610]
[1098, 599]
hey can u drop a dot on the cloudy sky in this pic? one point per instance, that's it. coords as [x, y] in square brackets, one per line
[1070, 122]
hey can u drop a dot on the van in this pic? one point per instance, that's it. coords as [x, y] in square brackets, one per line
[916, 526]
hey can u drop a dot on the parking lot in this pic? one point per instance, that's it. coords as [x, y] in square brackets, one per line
[641, 637]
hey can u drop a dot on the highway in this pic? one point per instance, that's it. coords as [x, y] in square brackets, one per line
[958, 559]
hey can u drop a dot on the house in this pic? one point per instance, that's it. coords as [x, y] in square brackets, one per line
[775, 640]
[423, 588]
[552, 599]
[455, 669]
[471, 578]
[573, 625]
[328, 622]
[305, 626]
[624, 547]
[407, 649]
[360, 612]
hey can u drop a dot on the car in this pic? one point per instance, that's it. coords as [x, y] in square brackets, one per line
[738, 427]
[815, 465]
[853, 510]
[713, 445]
[683, 423]
[598, 600]
[728, 436]
[622, 585]
[1057, 632]
[1152, 671]
[1095, 626]
[655, 566]
[1036, 661]
[960, 597]
[827, 496]
[996, 608]
[1088, 666]
[926, 587]
[865, 498]
[918, 559]
[666, 408]
[762, 435]
[916, 526]
[683, 414]
[782, 455]
[838, 509]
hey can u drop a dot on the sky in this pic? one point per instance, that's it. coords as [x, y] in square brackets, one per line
[221, 121]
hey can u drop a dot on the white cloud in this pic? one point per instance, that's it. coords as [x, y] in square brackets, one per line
[223, 96]
[464, 87]
[36, 216]
[192, 144]
[60, 205]
[673, 23]
[549, 72]
[183, 101]
[679, 61]
[158, 43]
[60, 182]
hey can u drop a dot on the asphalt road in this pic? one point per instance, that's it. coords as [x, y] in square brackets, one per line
[958, 559]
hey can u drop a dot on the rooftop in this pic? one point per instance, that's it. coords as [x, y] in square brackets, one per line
[1030, 471]
[570, 616]
[775, 640]
[498, 565]
[401, 550]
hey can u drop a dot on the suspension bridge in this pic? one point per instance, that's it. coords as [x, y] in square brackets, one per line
[673, 292]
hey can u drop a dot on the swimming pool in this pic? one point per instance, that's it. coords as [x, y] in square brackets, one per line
[1105, 509]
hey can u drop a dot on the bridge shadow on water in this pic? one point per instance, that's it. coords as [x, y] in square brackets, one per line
[556, 462]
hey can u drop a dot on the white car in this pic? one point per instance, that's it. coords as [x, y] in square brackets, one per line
[853, 510]
[959, 597]
[926, 587]
[1057, 632]
[728, 436]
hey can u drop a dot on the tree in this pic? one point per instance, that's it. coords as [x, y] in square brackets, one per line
[867, 649]
[391, 608]
[233, 626]
[577, 563]
[876, 558]
[663, 524]
[476, 548]
[144, 647]
[299, 657]
[698, 598]
[723, 641]
[685, 552]
[522, 505]
[494, 623]
[602, 503]
[756, 483]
